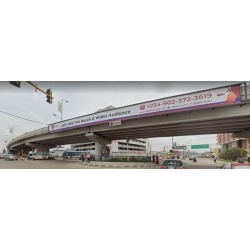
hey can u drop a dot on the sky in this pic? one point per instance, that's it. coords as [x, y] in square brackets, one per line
[86, 98]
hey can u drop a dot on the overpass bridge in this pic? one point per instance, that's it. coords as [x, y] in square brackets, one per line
[214, 119]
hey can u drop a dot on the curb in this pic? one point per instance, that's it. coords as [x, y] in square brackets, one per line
[115, 166]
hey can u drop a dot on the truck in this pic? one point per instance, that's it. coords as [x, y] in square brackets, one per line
[40, 154]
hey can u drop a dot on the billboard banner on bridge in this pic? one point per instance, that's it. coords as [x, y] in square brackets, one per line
[193, 101]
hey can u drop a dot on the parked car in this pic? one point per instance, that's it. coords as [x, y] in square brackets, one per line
[235, 165]
[11, 157]
[173, 164]
[191, 158]
[2, 156]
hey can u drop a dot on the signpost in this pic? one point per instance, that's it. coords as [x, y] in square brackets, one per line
[115, 123]
[180, 147]
[199, 146]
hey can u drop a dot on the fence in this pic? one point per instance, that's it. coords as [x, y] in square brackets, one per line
[124, 159]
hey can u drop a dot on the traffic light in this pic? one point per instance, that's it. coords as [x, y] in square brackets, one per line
[16, 84]
[239, 143]
[49, 99]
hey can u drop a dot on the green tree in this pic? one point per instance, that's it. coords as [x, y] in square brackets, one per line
[234, 153]
[4, 151]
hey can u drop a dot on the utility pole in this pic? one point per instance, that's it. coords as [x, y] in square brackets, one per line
[127, 149]
[7, 143]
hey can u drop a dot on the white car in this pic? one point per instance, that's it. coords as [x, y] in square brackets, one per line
[2, 156]
[11, 157]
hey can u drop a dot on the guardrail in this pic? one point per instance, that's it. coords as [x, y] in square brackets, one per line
[29, 134]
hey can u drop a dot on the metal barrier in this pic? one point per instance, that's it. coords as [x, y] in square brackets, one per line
[124, 159]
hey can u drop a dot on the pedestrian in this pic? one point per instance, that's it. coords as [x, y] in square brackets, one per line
[153, 158]
[157, 160]
[64, 158]
[83, 157]
[240, 159]
[88, 157]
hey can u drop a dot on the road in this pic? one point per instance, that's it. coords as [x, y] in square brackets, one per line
[202, 163]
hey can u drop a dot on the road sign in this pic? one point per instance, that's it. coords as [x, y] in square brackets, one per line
[115, 123]
[179, 147]
[199, 146]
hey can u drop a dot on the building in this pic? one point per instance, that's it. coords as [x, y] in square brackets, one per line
[135, 147]
[216, 151]
[227, 142]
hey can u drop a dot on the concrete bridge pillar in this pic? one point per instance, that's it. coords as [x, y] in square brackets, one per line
[98, 151]
[100, 142]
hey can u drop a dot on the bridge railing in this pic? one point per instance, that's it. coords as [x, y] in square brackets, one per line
[29, 134]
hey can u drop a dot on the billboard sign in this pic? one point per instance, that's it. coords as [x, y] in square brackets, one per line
[193, 101]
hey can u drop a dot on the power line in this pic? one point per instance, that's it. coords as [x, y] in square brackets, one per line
[22, 118]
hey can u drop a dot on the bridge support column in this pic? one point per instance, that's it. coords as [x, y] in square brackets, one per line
[100, 142]
[98, 151]
[224, 148]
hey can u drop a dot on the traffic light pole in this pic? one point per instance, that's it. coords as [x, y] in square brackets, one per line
[31, 83]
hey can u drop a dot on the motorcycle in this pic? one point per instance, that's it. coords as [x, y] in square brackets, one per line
[194, 160]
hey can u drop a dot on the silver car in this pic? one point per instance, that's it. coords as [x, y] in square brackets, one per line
[11, 157]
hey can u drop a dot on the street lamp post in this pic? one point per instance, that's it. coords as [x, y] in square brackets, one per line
[7, 143]
[13, 131]
[62, 109]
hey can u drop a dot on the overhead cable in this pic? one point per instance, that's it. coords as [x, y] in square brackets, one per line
[22, 118]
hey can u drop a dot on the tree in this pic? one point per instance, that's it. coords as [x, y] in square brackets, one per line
[234, 153]
[4, 151]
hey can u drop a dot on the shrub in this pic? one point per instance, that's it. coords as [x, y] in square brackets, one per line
[234, 153]
[222, 156]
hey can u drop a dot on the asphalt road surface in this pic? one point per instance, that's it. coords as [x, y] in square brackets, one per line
[202, 163]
